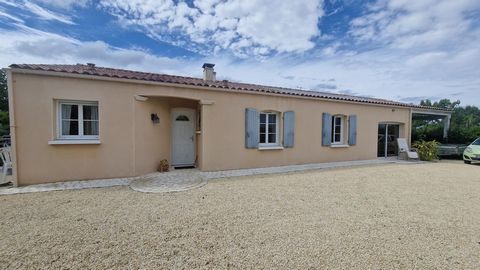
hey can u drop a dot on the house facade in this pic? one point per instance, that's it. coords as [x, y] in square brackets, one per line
[75, 122]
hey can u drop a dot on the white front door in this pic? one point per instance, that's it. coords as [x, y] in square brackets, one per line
[183, 137]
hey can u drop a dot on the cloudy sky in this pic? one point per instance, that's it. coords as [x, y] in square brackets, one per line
[404, 50]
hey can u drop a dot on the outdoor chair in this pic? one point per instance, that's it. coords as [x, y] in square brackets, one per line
[5, 155]
[403, 150]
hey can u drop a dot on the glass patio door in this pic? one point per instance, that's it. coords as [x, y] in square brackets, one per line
[387, 140]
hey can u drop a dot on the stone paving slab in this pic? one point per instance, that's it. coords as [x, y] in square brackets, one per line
[180, 180]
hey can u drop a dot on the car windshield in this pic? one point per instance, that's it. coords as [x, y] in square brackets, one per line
[476, 142]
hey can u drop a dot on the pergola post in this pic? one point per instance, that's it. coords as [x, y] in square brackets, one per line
[446, 125]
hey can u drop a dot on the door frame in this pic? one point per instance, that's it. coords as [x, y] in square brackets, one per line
[172, 123]
[385, 155]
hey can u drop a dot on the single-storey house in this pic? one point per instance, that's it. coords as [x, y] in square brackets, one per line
[74, 122]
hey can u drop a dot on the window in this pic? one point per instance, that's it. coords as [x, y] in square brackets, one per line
[182, 118]
[268, 129]
[337, 129]
[77, 120]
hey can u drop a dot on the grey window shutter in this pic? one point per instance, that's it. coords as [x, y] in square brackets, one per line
[288, 129]
[252, 127]
[352, 130]
[327, 129]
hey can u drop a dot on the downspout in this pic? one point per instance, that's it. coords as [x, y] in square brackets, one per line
[204, 114]
[136, 98]
[410, 127]
[134, 143]
[13, 141]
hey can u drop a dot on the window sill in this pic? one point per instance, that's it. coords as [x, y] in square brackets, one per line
[261, 148]
[60, 142]
[339, 146]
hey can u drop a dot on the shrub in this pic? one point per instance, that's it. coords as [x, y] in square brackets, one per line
[427, 150]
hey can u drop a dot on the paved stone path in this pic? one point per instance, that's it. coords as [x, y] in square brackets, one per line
[179, 180]
[297, 168]
[6, 190]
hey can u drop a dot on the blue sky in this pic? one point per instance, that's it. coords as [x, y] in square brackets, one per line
[404, 50]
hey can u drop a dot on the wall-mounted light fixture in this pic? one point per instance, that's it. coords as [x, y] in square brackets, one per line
[154, 118]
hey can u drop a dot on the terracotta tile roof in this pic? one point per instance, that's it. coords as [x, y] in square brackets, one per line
[190, 81]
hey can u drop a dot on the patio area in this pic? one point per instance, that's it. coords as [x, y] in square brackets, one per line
[414, 216]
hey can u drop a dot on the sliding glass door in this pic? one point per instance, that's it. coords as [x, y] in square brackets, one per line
[387, 140]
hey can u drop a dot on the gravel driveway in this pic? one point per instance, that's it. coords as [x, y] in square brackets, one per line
[390, 216]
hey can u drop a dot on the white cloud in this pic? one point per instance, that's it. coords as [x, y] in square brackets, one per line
[407, 24]
[10, 17]
[33, 46]
[65, 4]
[256, 27]
[374, 73]
[425, 46]
[40, 12]
[46, 14]
[397, 68]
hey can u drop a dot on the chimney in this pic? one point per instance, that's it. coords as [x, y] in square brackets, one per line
[208, 72]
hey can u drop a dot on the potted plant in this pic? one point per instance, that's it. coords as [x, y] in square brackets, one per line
[164, 166]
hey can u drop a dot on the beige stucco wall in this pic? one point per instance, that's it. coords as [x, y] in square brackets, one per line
[152, 141]
[308, 131]
[131, 145]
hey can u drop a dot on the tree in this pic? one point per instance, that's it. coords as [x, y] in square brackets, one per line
[426, 102]
[464, 124]
[4, 118]
[447, 104]
[442, 103]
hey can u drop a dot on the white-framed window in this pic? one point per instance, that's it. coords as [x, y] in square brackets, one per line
[268, 129]
[337, 129]
[77, 120]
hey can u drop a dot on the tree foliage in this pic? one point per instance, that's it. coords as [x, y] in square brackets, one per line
[464, 124]
[442, 103]
[4, 119]
[3, 92]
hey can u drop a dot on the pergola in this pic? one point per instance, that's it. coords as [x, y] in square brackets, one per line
[426, 114]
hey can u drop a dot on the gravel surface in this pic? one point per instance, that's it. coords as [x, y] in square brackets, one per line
[391, 216]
